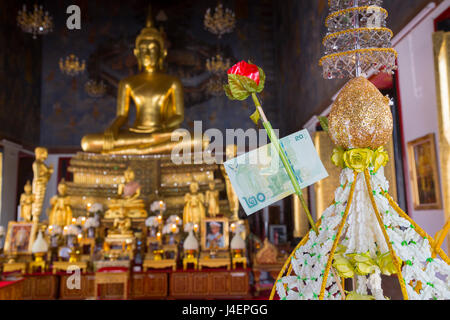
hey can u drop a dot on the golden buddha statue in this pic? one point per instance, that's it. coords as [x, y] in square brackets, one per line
[26, 203]
[42, 175]
[233, 199]
[121, 226]
[128, 203]
[158, 98]
[212, 200]
[194, 210]
[60, 212]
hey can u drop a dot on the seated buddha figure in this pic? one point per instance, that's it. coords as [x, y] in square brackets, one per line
[158, 98]
[121, 226]
[128, 203]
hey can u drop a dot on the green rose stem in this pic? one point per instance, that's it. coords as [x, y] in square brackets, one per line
[286, 163]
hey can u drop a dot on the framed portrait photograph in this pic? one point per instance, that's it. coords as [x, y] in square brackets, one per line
[424, 175]
[20, 237]
[215, 234]
[277, 234]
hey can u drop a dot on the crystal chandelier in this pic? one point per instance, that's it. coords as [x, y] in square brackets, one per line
[95, 89]
[357, 40]
[36, 22]
[218, 65]
[71, 66]
[221, 22]
[215, 86]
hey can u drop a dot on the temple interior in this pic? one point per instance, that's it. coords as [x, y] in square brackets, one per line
[98, 100]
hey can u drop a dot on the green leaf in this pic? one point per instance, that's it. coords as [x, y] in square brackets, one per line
[324, 123]
[228, 92]
[262, 80]
[236, 88]
[255, 117]
[247, 83]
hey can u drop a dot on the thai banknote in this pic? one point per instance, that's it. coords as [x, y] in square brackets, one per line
[260, 179]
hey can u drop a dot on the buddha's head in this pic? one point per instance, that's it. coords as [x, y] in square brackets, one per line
[194, 187]
[150, 48]
[27, 187]
[41, 153]
[62, 187]
[129, 175]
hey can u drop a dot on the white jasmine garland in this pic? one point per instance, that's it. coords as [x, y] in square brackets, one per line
[362, 234]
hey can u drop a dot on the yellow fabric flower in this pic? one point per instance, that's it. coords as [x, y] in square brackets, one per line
[363, 263]
[338, 157]
[380, 159]
[356, 296]
[358, 159]
[343, 267]
[386, 264]
[341, 264]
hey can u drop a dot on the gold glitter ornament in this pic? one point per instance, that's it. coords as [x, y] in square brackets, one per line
[360, 117]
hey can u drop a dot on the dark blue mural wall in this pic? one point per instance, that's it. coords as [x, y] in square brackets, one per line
[20, 79]
[106, 41]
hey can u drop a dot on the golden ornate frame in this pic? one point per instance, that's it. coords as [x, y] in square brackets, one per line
[225, 230]
[413, 173]
[11, 226]
[441, 44]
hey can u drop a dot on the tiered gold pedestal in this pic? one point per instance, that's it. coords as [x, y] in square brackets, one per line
[64, 265]
[15, 266]
[95, 179]
[221, 260]
[151, 263]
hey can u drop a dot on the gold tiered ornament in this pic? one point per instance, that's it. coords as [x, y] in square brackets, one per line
[363, 234]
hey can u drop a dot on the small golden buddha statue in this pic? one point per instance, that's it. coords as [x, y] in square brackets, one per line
[212, 200]
[194, 210]
[41, 176]
[60, 212]
[158, 98]
[233, 199]
[122, 226]
[26, 202]
[128, 202]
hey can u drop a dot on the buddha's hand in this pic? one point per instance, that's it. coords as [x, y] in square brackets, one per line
[110, 136]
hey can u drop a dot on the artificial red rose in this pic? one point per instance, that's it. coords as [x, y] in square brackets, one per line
[247, 70]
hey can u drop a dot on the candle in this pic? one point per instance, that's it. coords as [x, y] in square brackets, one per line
[161, 204]
[158, 235]
[79, 237]
[195, 227]
[174, 228]
[74, 220]
[233, 227]
[83, 220]
[160, 218]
